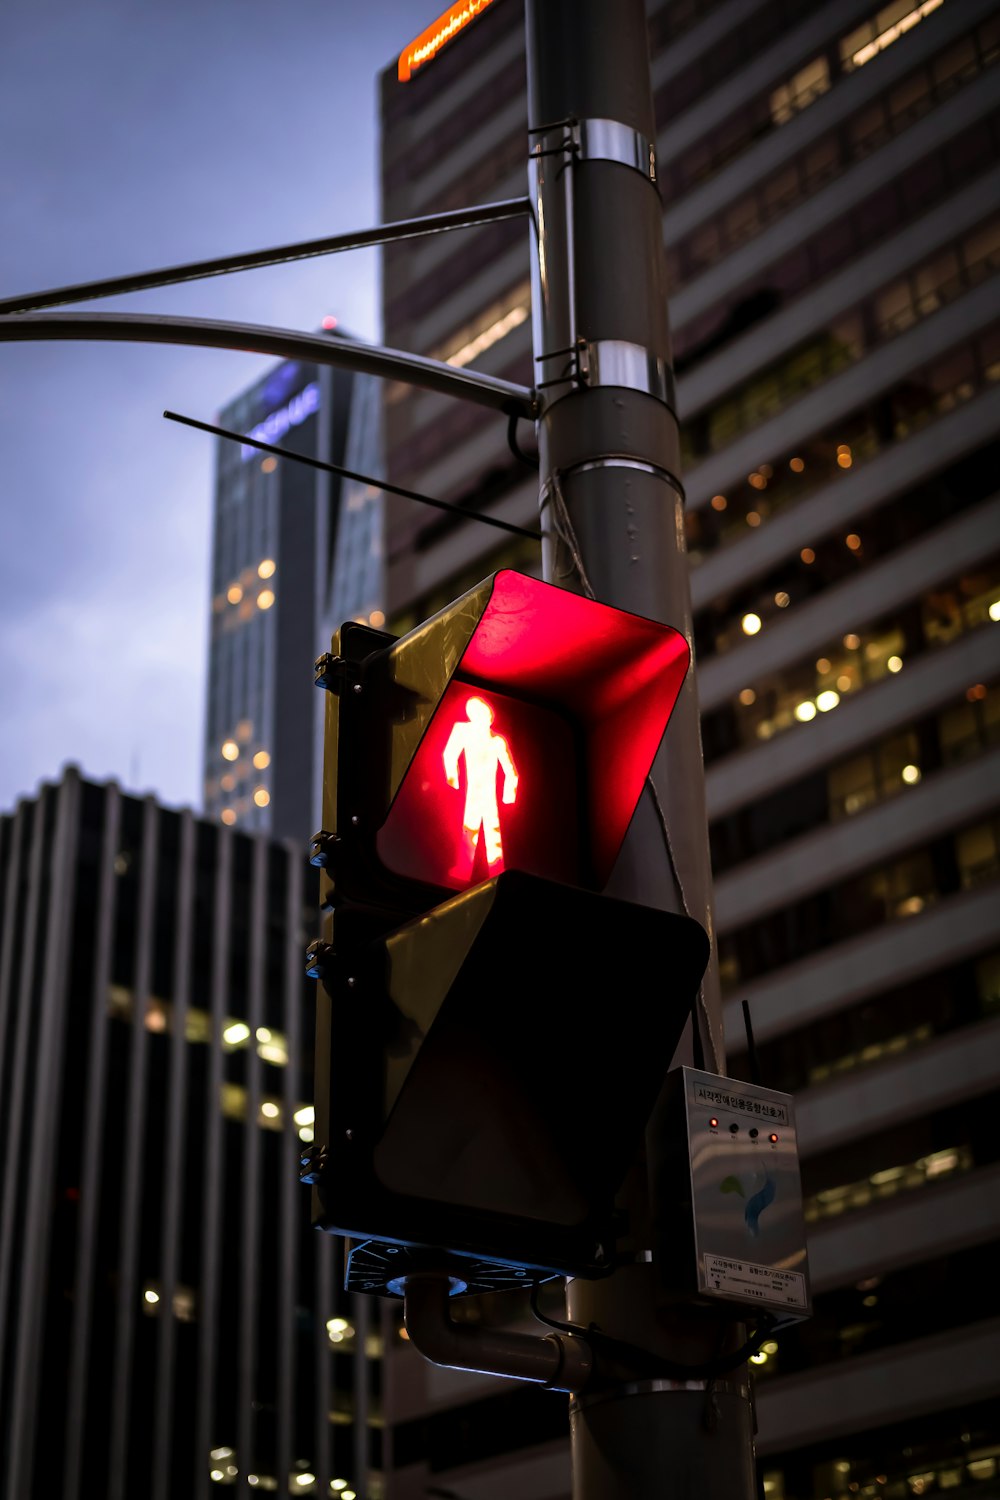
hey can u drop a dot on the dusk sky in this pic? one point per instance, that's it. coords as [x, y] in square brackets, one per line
[138, 134]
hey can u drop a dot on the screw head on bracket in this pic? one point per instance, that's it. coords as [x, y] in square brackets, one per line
[312, 1164]
[322, 848]
[318, 955]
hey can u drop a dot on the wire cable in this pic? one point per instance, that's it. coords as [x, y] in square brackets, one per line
[328, 468]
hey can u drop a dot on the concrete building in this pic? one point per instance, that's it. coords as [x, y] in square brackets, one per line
[830, 172]
[293, 550]
[170, 1324]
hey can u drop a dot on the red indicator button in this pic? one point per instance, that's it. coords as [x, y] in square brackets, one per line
[714, 1123]
[773, 1139]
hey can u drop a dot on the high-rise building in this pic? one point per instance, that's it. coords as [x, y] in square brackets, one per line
[830, 173]
[292, 548]
[170, 1324]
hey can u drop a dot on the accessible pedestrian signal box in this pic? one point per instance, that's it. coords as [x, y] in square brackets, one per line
[512, 731]
[492, 1032]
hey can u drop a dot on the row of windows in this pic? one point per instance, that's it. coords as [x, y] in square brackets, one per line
[732, 49]
[954, 1451]
[788, 477]
[880, 1027]
[836, 557]
[889, 893]
[933, 284]
[854, 660]
[966, 729]
[783, 100]
[930, 181]
[823, 160]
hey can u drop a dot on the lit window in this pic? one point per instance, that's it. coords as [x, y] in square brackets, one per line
[796, 465]
[491, 335]
[272, 1046]
[782, 600]
[895, 664]
[221, 1453]
[227, 782]
[304, 1480]
[235, 1033]
[269, 464]
[748, 697]
[305, 1116]
[753, 517]
[995, 611]
[150, 1296]
[911, 775]
[887, 26]
[269, 1110]
[230, 750]
[805, 711]
[265, 599]
[760, 1358]
[266, 568]
[719, 502]
[853, 541]
[826, 701]
[800, 90]
[261, 796]
[244, 730]
[270, 1114]
[823, 665]
[234, 593]
[377, 619]
[751, 624]
[807, 555]
[844, 460]
[852, 641]
[262, 760]
[228, 816]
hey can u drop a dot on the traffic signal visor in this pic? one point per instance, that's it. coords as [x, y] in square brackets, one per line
[513, 730]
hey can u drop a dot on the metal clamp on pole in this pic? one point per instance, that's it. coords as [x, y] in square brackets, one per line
[560, 1362]
[616, 362]
[610, 140]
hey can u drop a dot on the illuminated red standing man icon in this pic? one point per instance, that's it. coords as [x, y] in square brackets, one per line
[485, 753]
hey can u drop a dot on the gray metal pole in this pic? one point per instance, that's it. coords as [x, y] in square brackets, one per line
[612, 510]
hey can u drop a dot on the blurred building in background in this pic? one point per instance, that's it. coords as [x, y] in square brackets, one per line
[293, 548]
[170, 1324]
[830, 171]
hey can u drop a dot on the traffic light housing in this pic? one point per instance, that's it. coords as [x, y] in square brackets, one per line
[492, 1033]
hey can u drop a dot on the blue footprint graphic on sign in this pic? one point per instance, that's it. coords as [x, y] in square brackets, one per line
[758, 1200]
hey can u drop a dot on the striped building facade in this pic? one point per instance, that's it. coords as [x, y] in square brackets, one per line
[170, 1324]
[830, 177]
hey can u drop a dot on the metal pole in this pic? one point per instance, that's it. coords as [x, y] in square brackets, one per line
[612, 509]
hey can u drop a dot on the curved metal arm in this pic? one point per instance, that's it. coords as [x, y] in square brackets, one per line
[286, 343]
[557, 1361]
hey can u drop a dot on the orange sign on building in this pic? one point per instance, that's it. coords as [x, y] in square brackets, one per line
[428, 44]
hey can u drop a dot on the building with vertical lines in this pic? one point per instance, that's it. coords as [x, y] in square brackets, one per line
[293, 548]
[830, 176]
[170, 1324]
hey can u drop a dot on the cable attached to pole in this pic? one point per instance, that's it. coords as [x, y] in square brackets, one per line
[328, 468]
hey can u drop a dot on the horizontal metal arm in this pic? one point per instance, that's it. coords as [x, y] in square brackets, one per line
[562, 1362]
[285, 343]
[249, 260]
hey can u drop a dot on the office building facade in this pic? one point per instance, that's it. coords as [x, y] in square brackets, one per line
[170, 1323]
[293, 548]
[829, 172]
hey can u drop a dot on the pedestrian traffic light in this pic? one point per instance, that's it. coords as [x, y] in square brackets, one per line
[492, 1032]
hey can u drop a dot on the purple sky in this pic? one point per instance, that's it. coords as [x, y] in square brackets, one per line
[135, 134]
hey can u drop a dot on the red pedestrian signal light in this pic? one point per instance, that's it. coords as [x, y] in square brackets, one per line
[490, 1041]
[569, 701]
